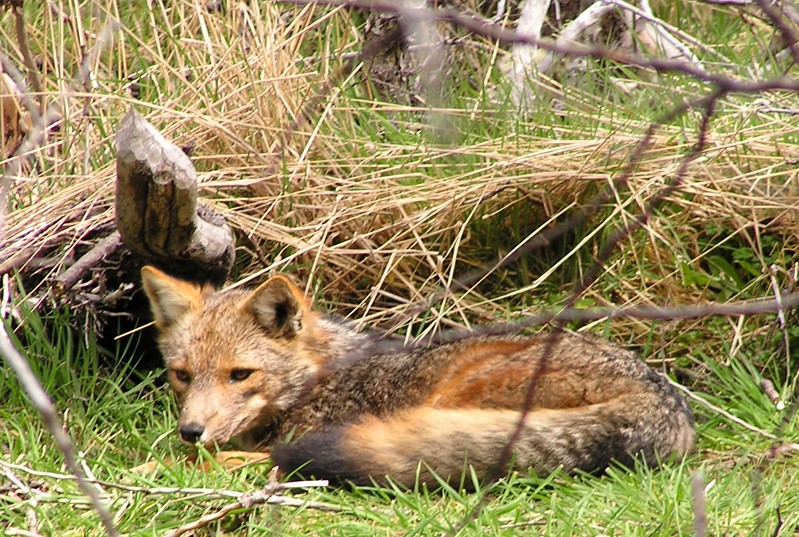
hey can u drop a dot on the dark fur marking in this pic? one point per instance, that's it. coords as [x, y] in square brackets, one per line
[321, 455]
[284, 311]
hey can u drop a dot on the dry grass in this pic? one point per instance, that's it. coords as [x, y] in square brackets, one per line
[353, 196]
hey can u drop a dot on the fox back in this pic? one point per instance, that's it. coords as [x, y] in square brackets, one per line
[262, 369]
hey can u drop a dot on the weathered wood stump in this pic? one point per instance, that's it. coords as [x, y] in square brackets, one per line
[157, 213]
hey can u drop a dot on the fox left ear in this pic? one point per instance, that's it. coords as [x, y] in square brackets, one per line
[279, 306]
[170, 298]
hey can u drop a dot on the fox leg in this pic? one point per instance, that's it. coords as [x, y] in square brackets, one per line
[230, 460]
[236, 459]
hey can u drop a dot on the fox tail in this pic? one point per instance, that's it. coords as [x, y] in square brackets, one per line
[417, 444]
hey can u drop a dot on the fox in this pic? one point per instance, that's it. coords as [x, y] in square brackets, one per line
[263, 370]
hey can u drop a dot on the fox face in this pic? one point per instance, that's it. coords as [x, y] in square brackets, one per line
[235, 359]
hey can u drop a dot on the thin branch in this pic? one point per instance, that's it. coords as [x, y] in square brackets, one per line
[89, 261]
[648, 17]
[735, 419]
[621, 234]
[27, 57]
[471, 280]
[778, 525]
[153, 491]
[40, 119]
[484, 27]
[506, 455]
[247, 501]
[699, 504]
[788, 35]
[242, 500]
[34, 139]
[568, 315]
[648, 312]
[738, 3]
[42, 403]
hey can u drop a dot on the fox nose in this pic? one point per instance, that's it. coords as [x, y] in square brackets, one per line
[191, 432]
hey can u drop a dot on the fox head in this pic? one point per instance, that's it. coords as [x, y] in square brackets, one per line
[236, 359]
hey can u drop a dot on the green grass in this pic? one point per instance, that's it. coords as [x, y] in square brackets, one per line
[727, 235]
[118, 420]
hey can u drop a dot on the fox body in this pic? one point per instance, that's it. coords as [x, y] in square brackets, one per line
[262, 369]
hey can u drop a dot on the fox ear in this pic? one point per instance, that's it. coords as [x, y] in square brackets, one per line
[170, 298]
[279, 306]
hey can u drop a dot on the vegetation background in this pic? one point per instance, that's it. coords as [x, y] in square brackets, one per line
[378, 207]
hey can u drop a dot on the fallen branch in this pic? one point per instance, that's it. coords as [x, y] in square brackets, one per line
[157, 213]
[17, 259]
[89, 260]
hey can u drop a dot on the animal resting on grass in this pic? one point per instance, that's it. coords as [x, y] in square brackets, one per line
[252, 367]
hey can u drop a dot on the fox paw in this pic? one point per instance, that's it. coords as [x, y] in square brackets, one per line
[229, 460]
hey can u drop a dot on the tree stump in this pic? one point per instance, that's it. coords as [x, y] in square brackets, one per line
[157, 213]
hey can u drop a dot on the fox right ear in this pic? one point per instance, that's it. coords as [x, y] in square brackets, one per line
[279, 306]
[170, 298]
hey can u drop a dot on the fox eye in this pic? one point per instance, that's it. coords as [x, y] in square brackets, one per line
[182, 375]
[238, 375]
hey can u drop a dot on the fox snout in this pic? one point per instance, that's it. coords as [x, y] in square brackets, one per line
[191, 432]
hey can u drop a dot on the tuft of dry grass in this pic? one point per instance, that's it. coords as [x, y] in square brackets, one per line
[319, 179]
[377, 215]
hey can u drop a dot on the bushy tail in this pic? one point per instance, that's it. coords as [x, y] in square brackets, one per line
[585, 438]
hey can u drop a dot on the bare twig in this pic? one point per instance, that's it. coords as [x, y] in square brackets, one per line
[572, 314]
[648, 17]
[242, 500]
[34, 139]
[32, 495]
[90, 260]
[574, 31]
[772, 393]
[619, 235]
[22, 533]
[42, 403]
[788, 34]
[699, 504]
[786, 340]
[506, 455]
[778, 525]
[469, 281]
[247, 501]
[740, 3]
[721, 411]
[188, 491]
[484, 27]
[42, 120]
[27, 57]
